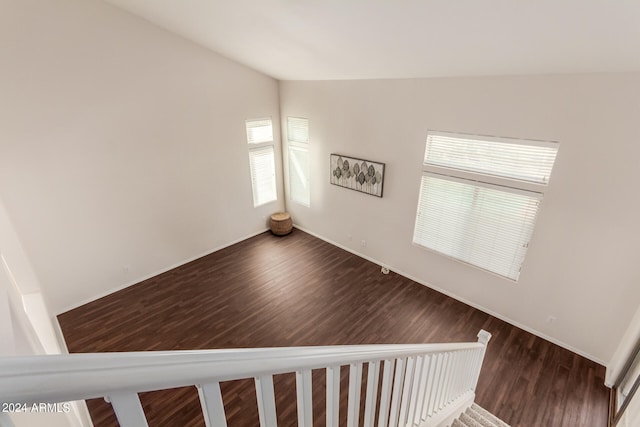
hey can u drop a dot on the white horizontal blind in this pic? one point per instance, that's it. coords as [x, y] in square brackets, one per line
[262, 160]
[298, 137]
[462, 213]
[298, 129]
[524, 160]
[299, 175]
[483, 225]
[263, 175]
[259, 130]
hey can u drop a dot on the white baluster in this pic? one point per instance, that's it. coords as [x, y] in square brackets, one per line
[212, 405]
[372, 393]
[422, 389]
[406, 392]
[455, 388]
[465, 370]
[429, 385]
[266, 401]
[458, 373]
[436, 381]
[128, 409]
[333, 395]
[355, 384]
[475, 370]
[450, 374]
[385, 396]
[305, 402]
[462, 373]
[401, 365]
[415, 387]
[445, 372]
[468, 383]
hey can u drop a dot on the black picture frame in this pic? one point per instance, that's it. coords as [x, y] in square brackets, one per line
[346, 171]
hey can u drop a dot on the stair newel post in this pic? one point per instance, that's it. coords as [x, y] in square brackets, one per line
[483, 338]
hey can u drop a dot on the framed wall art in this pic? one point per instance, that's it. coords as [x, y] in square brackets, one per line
[357, 174]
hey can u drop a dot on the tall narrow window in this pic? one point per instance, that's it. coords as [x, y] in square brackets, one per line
[479, 198]
[298, 138]
[262, 161]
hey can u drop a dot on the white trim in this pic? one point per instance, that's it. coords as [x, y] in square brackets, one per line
[463, 300]
[156, 273]
[58, 331]
[260, 205]
[470, 179]
[298, 144]
[491, 181]
[259, 145]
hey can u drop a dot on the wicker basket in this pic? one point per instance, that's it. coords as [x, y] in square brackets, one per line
[281, 223]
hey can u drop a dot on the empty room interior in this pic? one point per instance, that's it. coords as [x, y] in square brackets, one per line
[445, 167]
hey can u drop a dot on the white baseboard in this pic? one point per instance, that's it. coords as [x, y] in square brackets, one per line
[156, 273]
[459, 298]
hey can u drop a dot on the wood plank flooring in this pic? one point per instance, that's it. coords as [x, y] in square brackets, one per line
[298, 290]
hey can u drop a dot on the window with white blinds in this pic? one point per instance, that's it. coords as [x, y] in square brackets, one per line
[298, 154]
[298, 129]
[471, 205]
[262, 161]
[503, 157]
[260, 130]
[299, 175]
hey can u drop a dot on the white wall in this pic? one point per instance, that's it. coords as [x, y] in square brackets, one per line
[29, 318]
[122, 146]
[26, 326]
[582, 265]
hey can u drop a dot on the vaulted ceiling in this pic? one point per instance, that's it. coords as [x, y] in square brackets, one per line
[358, 39]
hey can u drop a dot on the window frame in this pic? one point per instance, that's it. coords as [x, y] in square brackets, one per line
[300, 146]
[258, 146]
[479, 179]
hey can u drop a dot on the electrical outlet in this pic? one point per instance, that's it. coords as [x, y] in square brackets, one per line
[363, 243]
[126, 269]
[350, 237]
[551, 318]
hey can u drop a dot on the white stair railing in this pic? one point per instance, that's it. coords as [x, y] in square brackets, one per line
[419, 385]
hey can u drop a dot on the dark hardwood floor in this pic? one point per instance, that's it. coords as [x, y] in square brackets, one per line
[298, 290]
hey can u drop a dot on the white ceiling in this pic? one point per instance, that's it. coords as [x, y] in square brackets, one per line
[358, 39]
